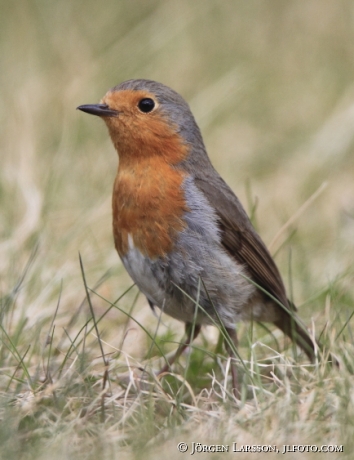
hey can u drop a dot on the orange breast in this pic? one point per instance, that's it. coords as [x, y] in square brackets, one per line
[148, 199]
[148, 204]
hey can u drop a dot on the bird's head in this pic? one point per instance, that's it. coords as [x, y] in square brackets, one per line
[147, 118]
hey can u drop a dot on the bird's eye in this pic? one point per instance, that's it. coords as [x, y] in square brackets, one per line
[146, 105]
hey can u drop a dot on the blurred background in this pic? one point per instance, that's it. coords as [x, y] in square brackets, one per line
[271, 85]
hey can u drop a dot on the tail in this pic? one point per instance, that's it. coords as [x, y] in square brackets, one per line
[291, 325]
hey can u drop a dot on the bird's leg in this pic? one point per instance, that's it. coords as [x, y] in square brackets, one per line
[191, 334]
[235, 383]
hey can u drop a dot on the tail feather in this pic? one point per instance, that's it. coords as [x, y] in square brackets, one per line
[293, 328]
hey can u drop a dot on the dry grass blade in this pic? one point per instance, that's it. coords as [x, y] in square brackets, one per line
[297, 214]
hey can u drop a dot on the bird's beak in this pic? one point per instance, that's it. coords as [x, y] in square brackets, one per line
[101, 110]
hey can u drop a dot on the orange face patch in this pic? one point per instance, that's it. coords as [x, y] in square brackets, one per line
[136, 134]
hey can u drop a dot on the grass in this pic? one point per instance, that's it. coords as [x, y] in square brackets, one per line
[270, 84]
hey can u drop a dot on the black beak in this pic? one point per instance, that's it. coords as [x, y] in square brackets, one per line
[101, 110]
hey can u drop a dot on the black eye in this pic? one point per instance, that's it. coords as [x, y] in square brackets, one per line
[146, 105]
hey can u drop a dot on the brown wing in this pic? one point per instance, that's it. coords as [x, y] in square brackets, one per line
[239, 237]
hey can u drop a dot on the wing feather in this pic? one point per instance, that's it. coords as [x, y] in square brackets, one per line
[239, 237]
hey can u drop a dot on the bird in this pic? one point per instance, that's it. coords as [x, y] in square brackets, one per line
[181, 232]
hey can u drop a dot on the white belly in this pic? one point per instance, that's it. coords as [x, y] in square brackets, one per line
[139, 268]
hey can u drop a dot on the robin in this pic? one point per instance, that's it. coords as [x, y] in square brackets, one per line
[180, 231]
